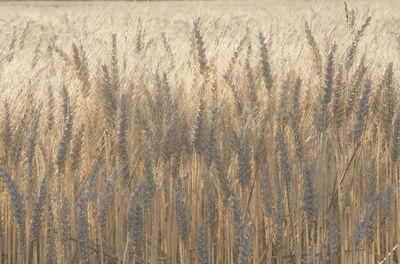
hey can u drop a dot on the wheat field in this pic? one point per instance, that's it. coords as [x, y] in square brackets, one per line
[200, 132]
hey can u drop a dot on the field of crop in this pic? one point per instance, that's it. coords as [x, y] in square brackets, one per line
[200, 132]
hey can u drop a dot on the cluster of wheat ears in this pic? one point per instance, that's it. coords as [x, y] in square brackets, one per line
[176, 154]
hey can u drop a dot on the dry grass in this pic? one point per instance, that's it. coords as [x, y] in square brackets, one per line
[220, 132]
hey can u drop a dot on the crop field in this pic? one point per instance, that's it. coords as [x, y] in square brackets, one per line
[200, 132]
